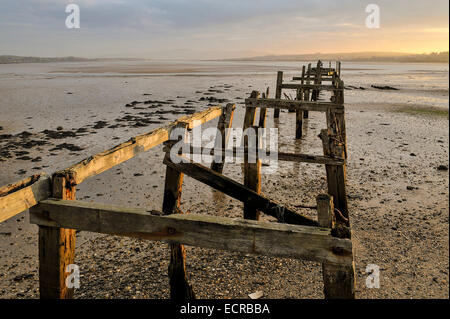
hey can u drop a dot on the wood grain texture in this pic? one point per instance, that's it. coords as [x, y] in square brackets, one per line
[223, 132]
[264, 238]
[17, 197]
[56, 249]
[278, 91]
[294, 105]
[180, 289]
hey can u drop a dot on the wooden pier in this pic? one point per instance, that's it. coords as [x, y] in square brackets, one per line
[325, 239]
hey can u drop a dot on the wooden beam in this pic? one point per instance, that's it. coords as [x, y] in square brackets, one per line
[324, 79]
[263, 111]
[281, 156]
[278, 91]
[303, 96]
[246, 236]
[17, 197]
[252, 177]
[296, 86]
[294, 105]
[101, 162]
[251, 171]
[237, 191]
[338, 280]
[180, 289]
[56, 249]
[336, 175]
[223, 132]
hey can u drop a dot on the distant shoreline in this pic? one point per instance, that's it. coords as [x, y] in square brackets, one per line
[362, 57]
[13, 59]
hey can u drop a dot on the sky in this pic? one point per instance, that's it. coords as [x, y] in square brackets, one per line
[208, 29]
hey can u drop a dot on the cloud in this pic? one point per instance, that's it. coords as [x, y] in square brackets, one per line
[132, 26]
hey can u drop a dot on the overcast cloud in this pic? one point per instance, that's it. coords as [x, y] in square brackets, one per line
[208, 28]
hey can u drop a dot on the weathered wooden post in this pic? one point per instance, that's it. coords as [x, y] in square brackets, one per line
[317, 81]
[336, 174]
[263, 110]
[179, 285]
[225, 122]
[278, 92]
[252, 174]
[252, 171]
[300, 114]
[307, 94]
[338, 280]
[57, 248]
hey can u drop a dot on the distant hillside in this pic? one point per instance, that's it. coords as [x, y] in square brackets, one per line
[442, 57]
[7, 59]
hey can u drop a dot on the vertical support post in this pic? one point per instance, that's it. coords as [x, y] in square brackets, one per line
[325, 211]
[299, 124]
[225, 123]
[252, 174]
[338, 280]
[278, 92]
[308, 77]
[300, 114]
[179, 285]
[303, 93]
[263, 110]
[56, 249]
[336, 175]
[250, 112]
[317, 80]
[251, 171]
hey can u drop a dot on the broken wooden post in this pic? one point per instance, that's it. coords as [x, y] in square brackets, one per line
[223, 131]
[179, 285]
[338, 280]
[56, 248]
[278, 92]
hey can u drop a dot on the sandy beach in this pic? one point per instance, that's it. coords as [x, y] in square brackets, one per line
[56, 114]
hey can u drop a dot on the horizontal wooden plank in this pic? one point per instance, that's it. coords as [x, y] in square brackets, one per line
[323, 79]
[17, 197]
[294, 105]
[240, 151]
[322, 87]
[262, 238]
[101, 162]
[307, 158]
[200, 118]
[236, 190]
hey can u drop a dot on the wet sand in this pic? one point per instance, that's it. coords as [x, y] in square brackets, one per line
[398, 197]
